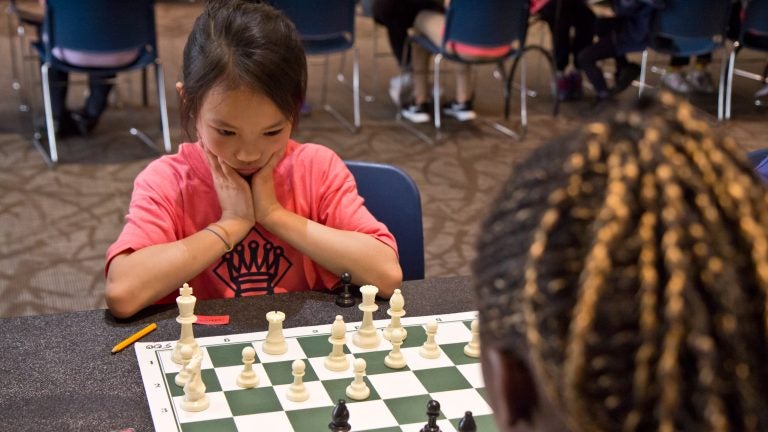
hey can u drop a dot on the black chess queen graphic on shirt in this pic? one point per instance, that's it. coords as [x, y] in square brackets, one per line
[253, 265]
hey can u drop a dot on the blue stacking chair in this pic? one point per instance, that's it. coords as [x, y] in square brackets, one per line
[681, 29]
[100, 26]
[326, 28]
[490, 23]
[753, 35]
[393, 198]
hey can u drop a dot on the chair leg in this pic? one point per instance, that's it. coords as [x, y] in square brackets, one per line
[53, 153]
[436, 91]
[643, 72]
[356, 88]
[161, 101]
[729, 81]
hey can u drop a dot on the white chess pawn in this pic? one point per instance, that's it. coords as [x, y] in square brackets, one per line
[297, 392]
[337, 361]
[366, 336]
[472, 349]
[195, 398]
[186, 303]
[183, 376]
[430, 349]
[396, 303]
[275, 342]
[247, 377]
[395, 359]
[358, 390]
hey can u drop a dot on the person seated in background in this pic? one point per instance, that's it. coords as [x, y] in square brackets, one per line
[397, 16]
[622, 281]
[85, 119]
[562, 17]
[624, 29]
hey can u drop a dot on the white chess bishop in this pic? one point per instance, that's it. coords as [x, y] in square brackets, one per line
[396, 311]
[337, 361]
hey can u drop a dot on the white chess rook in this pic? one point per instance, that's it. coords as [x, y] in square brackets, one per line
[183, 376]
[472, 349]
[395, 359]
[297, 392]
[337, 361]
[186, 303]
[430, 349]
[275, 342]
[195, 398]
[396, 303]
[358, 390]
[247, 377]
[366, 336]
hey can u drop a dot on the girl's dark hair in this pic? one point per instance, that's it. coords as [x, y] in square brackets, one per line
[237, 43]
[628, 262]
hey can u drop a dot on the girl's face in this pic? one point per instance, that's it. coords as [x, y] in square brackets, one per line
[243, 128]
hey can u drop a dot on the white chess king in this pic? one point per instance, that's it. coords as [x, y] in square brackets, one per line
[186, 303]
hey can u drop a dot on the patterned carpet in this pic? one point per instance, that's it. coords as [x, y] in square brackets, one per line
[55, 224]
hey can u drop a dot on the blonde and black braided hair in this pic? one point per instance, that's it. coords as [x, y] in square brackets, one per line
[630, 262]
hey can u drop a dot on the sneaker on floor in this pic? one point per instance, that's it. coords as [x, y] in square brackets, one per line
[460, 111]
[763, 92]
[625, 76]
[676, 82]
[416, 113]
[575, 88]
[562, 88]
[400, 88]
[700, 81]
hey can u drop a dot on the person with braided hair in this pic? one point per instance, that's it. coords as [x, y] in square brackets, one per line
[622, 281]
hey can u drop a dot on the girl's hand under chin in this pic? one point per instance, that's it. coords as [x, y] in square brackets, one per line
[234, 194]
[263, 189]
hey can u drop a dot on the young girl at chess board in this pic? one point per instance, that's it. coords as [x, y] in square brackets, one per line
[622, 281]
[245, 209]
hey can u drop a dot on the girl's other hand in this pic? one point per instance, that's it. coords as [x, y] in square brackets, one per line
[263, 189]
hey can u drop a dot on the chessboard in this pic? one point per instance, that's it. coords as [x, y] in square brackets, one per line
[398, 397]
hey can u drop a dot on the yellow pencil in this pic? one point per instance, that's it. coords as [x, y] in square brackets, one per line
[134, 337]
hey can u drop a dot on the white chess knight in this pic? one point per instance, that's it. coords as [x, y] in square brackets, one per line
[337, 361]
[275, 342]
[472, 349]
[183, 376]
[396, 303]
[186, 302]
[358, 390]
[366, 336]
[247, 377]
[297, 392]
[395, 359]
[195, 398]
[430, 349]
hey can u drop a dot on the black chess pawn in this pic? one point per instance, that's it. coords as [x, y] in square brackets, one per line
[345, 298]
[339, 418]
[433, 411]
[467, 423]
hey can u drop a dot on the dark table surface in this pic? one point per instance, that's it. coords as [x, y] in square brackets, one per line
[57, 372]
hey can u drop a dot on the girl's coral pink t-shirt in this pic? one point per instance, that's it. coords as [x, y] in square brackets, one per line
[174, 197]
